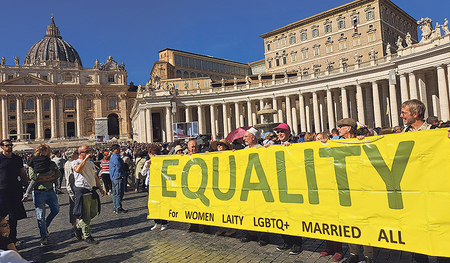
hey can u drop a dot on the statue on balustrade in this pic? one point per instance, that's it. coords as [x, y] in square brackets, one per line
[445, 27]
[425, 24]
[408, 40]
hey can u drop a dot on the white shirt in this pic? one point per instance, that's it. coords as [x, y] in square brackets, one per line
[86, 178]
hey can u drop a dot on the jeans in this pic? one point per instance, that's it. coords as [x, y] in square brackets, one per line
[40, 198]
[118, 191]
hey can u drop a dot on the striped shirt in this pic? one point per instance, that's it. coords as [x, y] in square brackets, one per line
[105, 166]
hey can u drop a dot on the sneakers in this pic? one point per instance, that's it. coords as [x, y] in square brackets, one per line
[337, 256]
[352, 259]
[44, 241]
[368, 260]
[120, 211]
[193, 228]
[220, 232]
[263, 242]
[91, 241]
[248, 238]
[154, 227]
[295, 250]
[78, 233]
[163, 227]
[284, 247]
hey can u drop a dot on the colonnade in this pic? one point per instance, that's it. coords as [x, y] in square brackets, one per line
[373, 102]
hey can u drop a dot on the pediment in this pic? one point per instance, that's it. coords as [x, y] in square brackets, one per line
[26, 80]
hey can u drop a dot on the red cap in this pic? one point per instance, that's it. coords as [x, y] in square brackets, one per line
[283, 126]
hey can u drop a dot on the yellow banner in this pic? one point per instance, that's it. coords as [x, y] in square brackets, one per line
[391, 191]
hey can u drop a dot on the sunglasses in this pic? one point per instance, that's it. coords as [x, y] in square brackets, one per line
[4, 225]
[7, 145]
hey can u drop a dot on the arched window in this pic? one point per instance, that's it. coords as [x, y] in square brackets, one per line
[199, 75]
[185, 75]
[179, 75]
[30, 104]
[112, 103]
[192, 75]
[69, 104]
[46, 105]
[12, 106]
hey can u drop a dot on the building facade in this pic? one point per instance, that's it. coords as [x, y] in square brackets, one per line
[52, 96]
[370, 90]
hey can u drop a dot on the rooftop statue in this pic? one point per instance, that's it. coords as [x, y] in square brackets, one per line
[425, 24]
[445, 27]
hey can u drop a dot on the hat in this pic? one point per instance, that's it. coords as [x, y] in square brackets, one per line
[254, 132]
[268, 134]
[215, 143]
[178, 148]
[347, 122]
[282, 126]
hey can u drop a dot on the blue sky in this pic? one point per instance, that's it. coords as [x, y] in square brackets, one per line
[133, 31]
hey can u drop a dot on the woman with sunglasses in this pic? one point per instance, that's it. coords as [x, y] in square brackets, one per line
[5, 242]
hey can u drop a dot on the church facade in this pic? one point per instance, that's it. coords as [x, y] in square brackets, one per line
[51, 96]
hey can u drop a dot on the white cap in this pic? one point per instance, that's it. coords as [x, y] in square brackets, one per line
[254, 131]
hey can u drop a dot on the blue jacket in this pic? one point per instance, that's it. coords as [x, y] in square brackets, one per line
[116, 167]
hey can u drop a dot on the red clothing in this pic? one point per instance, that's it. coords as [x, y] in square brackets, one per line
[105, 166]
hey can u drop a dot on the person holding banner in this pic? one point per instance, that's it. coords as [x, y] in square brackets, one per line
[294, 243]
[413, 113]
[347, 129]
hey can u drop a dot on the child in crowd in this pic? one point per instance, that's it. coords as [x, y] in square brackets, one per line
[40, 164]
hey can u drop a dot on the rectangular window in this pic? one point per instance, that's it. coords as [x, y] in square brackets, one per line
[46, 116]
[341, 24]
[355, 20]
[342, 45]
[304, 54]
[268, 47]
[293, 56]
[177, 85]
[316, 51]
[277, 62]
[356, 41]
[292, 39]
[315, 32]
[371, 37]
[328, 28]
[284, 60]
[329, 48]
[10, 76]
[110, 78]
[44, 77]
[276, 43]
[303, 36]
[370, 15]
[67, 78]
[12, 117]
[283, 42]
[206, 83]
[270, 64]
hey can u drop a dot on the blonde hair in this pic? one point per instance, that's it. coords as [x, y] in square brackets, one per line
[42, 150]
[309, 137]
[324, 135]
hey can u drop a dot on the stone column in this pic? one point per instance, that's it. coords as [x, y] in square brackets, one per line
[393, 109]
[280, 111]
[249, 113]
[423, 92]
[61, 115]
[54, 134]
[360, 102]
[331, 122]
[344, 103]
[19, 115]
[254, 115]
[98, 106]
[79, 117]
[301, 106]
[141, 125]
[275, 107]
[169, 128]
[376, 105]
[5, 128]
[403, 88]
[261, 106]
[353, 104]
[412, 86]
[308, 114]
[237, 114]
[149, 125]
[322, 111]
[443, 93]
[241, 115]
[188, 114]
[288, 111]
[336, 106]
[212, 109]
[225, 120]
[317, 127]
[39, 118]
[294, 120]
[200, 119]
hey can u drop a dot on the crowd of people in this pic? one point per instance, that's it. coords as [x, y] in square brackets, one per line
[93, 172]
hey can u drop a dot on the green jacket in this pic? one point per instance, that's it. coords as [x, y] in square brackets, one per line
[45, 185]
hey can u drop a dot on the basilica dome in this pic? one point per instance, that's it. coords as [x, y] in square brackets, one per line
[52, 50]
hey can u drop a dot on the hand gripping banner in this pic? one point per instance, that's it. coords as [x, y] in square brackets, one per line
[389, 191]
